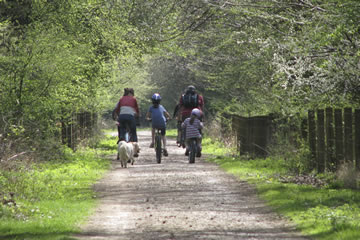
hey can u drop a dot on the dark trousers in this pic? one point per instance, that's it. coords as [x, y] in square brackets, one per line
[127, 121]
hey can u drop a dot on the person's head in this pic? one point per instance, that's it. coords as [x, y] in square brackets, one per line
[196, 113]
[190, 89]
[128, 91]
[156, 99]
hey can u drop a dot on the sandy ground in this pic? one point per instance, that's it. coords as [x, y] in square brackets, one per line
[178, 200]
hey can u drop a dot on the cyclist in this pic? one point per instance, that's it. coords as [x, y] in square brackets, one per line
[192, 127]
[125, 111]
[158, 116]
[188, 101]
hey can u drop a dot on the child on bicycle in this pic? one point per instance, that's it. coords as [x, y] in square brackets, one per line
[158, 116]
[192, 126]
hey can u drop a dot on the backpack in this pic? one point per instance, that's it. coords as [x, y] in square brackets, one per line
[190, 100]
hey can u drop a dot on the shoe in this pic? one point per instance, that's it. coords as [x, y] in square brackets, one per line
[136, 155]
[151, 145]
[187, 152]
[165, 153]
[198, 154]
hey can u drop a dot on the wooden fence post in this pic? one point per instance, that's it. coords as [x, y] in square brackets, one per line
[339, 137]
[348, 134]
[357, 139]
[312, 136]
[330, 158]
[320, 141]
[244, 132]
[235, 131]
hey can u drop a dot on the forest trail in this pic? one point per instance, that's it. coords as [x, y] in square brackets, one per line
[176, 200]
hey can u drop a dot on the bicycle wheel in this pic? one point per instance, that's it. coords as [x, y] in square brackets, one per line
[192, 151]
[158, 148]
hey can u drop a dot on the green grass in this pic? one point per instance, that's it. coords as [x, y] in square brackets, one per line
[321, 213]
[52, 198]
[172, 132]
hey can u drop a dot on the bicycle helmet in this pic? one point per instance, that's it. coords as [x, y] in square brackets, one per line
[156, 98]
[196, 112]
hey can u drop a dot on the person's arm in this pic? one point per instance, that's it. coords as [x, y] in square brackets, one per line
[116, 111]
[183, 125]
[137, 107]
[201, 125]
[167, 115]
[148, 116]
[176, 110]
[201, 103]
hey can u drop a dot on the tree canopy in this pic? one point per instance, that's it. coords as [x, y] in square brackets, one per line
[247, 57]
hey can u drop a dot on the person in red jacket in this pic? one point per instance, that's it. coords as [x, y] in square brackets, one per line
[126, 111]
[188, 101]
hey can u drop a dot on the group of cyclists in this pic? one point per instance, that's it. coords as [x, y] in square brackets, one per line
[188, 112]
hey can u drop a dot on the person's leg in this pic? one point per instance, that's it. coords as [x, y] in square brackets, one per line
[187, 144]
[118, 128]
[163, 136]
[122, 127]
[178, 138]
[199, 140]
[132, 125]
[152, 137]
[183, 132]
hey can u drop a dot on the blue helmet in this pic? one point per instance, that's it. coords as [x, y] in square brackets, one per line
[156, 98]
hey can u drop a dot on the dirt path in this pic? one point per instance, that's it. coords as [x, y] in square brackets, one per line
[177, 200]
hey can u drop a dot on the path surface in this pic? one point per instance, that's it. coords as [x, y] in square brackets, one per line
[177, 200]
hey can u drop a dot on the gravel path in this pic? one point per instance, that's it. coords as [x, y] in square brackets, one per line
[177, 200]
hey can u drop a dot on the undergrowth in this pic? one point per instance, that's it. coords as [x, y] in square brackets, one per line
[48, 200]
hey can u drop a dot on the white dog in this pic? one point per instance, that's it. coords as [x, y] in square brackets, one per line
[126, 152]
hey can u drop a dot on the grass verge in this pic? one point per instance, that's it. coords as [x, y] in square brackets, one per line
[322, 213]
[52, 199]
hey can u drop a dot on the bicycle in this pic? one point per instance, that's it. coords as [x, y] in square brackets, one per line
[157, 145]
[193, 149]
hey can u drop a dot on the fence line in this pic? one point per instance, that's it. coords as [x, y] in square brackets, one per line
[78, 127]
[334, 137]
[253, 134]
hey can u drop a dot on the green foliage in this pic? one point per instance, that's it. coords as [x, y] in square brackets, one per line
[215, 147]
[322, 212]
[51, 198]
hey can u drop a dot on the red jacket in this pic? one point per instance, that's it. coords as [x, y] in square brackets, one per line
[127, 101]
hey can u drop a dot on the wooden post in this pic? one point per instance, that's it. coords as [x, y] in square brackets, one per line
[330, 140]
[320, 141]
[244, 135]
[312, 137]
[234, 131]
[357, 139]
[348, 134]
[339, 137]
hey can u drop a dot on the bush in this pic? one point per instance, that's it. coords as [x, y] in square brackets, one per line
[347, 176]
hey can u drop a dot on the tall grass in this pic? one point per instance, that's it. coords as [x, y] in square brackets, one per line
[52, 198]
